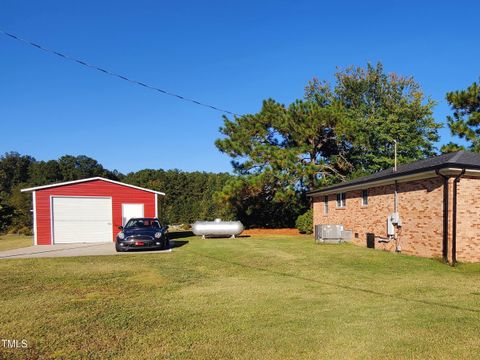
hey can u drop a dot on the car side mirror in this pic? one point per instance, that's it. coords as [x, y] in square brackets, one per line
[166, 227]
[120, 228]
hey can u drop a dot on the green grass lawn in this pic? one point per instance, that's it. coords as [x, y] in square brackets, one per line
[8, 242]
[277, 297]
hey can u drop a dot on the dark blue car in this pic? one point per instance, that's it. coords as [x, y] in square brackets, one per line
[142, 233]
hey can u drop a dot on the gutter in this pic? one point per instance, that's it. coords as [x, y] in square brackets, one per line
[445, 215]
[371, 183]
[454, 216]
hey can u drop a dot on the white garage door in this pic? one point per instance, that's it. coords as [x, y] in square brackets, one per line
[81, 219]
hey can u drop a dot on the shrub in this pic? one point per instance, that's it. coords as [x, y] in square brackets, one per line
[20, 230]
[304, 222]
[185, 227]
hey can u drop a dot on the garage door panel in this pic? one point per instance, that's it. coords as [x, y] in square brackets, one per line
[81, 219]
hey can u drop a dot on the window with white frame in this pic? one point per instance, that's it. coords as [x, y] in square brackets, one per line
[325, 204]
[365, 197]
[341, 200]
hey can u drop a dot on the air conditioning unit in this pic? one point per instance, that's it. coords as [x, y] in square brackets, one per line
[331, 233]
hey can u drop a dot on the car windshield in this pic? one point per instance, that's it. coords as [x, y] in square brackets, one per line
[142, 223]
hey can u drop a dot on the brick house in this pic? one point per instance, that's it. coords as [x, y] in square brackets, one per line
[437, 200]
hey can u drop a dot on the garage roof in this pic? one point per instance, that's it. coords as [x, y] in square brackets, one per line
[460, 159]
[89, 179]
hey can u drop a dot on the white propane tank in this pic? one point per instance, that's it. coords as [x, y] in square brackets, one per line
[217, 228]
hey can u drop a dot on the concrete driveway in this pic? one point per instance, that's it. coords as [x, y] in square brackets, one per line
[66, 250]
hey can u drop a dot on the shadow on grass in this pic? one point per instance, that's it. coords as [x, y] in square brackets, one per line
[174, 235]
[179, 234]
[177, 243]
[173, 244]
[345, 287]
[183, 234]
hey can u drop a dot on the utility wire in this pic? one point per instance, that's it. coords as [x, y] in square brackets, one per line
[66, 57]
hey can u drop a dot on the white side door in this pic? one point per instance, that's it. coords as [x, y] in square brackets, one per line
[131, 211]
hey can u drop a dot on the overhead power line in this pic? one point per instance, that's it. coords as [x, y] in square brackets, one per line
[84, 63]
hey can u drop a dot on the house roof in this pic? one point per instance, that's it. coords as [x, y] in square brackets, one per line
[460, 159]
[87, 180]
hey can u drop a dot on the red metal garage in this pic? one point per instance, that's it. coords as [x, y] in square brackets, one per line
[87, 210]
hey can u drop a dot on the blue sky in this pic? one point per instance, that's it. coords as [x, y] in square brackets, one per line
[231, 54]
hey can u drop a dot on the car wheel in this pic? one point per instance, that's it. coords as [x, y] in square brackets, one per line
[119, 248]
[166, 246]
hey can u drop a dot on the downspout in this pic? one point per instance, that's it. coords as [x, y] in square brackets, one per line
[395, 194]
[398, 248]
[454, 218]
[445, 216]
[395, 197]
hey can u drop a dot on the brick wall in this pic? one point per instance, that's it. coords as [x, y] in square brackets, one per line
[420, 204]
[468, 219]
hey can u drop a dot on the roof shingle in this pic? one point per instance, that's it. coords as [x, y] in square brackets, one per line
[461, 159]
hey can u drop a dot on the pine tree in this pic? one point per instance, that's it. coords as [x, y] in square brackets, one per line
[465, 122]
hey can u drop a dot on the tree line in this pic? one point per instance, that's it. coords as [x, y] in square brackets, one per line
[334, 132]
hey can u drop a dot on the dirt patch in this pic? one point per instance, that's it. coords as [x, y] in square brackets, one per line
[285, 231]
